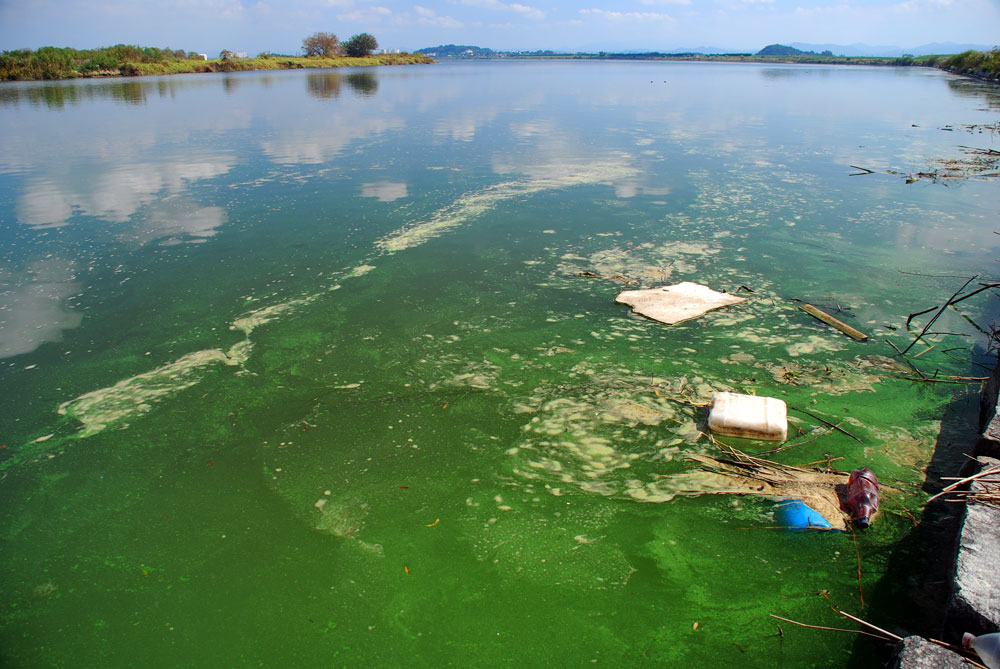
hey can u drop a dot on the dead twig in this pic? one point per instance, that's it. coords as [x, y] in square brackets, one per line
[924, 379]
[854, 539]
[985, 472]
[868, 625]
[940, 311]
[905, 359]
[792, 444]
[830, 629]
[826, 422]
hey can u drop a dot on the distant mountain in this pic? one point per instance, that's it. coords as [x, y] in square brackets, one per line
[943, 48]
[703, 50]
[937, 48]
[792, 49]
[851, 49]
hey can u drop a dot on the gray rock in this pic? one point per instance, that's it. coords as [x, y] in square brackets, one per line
[914, 652]
[975, 606]
[989, 418]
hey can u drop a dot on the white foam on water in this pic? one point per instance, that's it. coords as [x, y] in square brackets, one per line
[476, 204]
[264, 315]
[360, 270]
[136, 395]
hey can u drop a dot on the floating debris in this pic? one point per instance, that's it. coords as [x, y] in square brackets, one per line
[677, 303]
[742, 474]
[748, 416]
[830, 320]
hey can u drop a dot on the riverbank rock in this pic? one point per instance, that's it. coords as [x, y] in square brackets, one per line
[913, 652]
[989, 427]
[975, 606]
[677, 303]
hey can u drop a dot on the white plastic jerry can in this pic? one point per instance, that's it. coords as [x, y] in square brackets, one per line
[748, 416]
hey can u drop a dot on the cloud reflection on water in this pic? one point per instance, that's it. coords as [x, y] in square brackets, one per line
[32, 305]
[385, 191]
[112, 195]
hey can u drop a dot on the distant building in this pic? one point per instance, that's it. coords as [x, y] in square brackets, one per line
[203, 56]
[241, 54]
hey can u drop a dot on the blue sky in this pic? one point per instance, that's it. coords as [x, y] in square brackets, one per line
[279, 26]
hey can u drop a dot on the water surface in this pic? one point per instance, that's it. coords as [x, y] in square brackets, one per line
[301, 369]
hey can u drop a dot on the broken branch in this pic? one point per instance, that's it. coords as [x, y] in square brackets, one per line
[829, 629]
[830, 320]
[825, 422]
[937, 315]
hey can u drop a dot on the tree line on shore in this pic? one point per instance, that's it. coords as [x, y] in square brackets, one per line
[981, 64]
[321, 50]
[328, 45]
[326, 50]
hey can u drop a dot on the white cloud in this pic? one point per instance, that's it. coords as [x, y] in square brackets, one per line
[525, 10]
[429, 17]
[628, 16]
[923, 5]
[495, 5]
[366, 15]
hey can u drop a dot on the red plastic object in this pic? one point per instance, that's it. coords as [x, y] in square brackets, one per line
[862, 496]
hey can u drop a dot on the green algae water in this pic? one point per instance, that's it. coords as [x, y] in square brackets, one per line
[326, 369]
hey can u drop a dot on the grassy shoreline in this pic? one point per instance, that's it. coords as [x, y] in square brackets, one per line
[976, 64]
[51, 64]
[272, 63]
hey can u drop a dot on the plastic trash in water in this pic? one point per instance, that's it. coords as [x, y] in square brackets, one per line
[748, 416]
[862, 496]
[986, 646]
[797, 516]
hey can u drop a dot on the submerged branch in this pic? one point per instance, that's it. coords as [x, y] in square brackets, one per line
[825, 422]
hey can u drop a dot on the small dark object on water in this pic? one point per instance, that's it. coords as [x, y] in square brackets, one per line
[862, 496]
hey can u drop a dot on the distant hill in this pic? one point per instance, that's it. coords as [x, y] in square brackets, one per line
[786, 50]
[885, 51]
[941, 48]
[780, 50]
[457, 51]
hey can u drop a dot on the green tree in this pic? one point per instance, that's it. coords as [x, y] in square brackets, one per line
[321, 44]
[360, 45]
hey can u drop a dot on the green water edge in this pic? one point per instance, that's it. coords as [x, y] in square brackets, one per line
[434, 542]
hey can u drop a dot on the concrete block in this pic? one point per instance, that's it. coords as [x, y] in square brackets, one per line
[975, 606]
[989, 418]
[914, 652]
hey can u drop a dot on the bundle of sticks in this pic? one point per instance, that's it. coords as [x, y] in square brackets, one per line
[985, 490]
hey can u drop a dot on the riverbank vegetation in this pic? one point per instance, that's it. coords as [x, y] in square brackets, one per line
[979, 64]
[126, 60]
